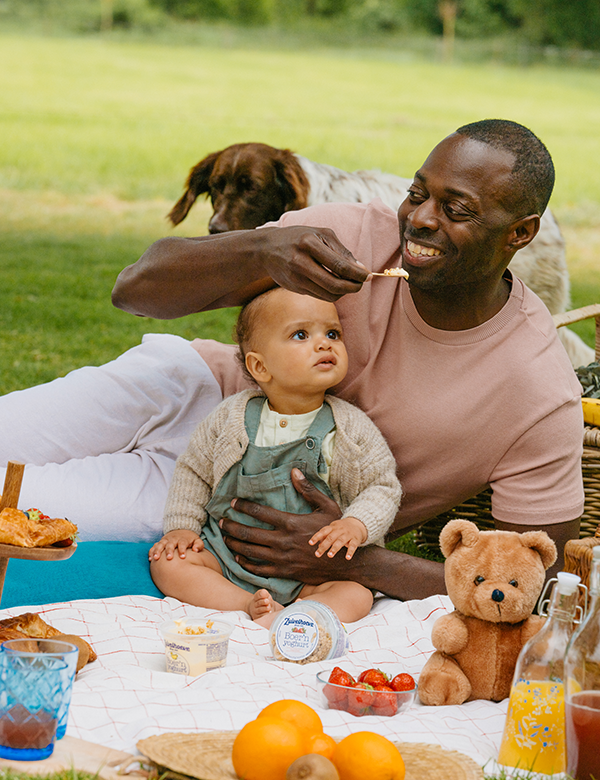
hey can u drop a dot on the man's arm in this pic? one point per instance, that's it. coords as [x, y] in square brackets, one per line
[284, 551]
[179, 276]
[560, 533]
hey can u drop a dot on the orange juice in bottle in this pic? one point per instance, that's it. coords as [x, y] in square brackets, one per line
[534, 732]
[534, 735]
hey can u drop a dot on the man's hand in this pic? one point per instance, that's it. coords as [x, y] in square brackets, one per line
[311, 261]
[178, 276]
[285, 551]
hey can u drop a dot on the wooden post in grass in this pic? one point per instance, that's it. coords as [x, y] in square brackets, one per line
[106, 15]
[447, 10]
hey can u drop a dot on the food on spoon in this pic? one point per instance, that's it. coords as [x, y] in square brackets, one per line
[397, 271]
[34, 529]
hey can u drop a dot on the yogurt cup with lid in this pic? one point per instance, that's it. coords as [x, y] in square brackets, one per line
[307, 631]
[194, 646]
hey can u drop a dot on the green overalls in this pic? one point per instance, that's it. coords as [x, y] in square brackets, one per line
[263, 476]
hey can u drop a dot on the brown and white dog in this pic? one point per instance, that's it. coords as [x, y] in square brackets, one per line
[253, 183]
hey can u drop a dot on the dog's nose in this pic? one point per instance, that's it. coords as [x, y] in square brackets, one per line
[497, 595]
[217, 227]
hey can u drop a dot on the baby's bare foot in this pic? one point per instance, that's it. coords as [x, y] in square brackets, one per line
[262, 608]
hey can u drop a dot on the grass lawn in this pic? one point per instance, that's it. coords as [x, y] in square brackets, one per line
[99, 134]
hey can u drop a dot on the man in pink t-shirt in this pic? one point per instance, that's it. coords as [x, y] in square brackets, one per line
[460, 367]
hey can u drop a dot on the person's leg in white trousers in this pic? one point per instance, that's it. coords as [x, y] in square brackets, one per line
[100, 444]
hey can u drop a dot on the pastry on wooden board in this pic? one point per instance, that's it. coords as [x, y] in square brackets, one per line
[33, 529]
[30, 625]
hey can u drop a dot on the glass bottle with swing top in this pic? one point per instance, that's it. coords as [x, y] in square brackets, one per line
[534, 731]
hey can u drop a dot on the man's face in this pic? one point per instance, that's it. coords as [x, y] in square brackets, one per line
[453, 224]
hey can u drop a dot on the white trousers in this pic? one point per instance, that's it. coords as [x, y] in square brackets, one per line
[100, 443]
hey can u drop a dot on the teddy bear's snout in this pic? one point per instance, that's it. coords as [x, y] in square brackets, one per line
[497, 595]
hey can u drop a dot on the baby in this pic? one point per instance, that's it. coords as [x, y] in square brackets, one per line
[292, 347]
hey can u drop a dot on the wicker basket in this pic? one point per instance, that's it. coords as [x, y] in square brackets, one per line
[479, 508]
[578, 556]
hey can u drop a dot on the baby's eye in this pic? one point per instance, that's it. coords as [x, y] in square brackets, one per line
[334, 334]
[300, 335]
[479, 580]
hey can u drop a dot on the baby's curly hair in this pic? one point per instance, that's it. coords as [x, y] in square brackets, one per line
[245, 329]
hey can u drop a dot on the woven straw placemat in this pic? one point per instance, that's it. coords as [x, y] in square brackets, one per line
[207, 756]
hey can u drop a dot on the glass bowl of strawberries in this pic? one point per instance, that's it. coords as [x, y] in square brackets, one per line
[370, 691]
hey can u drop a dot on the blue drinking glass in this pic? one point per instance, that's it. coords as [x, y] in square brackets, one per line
[65, 651]
[32, 689]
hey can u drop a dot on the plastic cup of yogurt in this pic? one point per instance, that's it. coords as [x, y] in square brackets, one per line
[194, 646]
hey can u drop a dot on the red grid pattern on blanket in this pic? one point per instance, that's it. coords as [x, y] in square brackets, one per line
[127, 695]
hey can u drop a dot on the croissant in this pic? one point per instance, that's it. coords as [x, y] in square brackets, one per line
[21, 530]
[30, 625]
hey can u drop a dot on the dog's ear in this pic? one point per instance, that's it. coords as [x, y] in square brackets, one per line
[292, 180]
[196, 184]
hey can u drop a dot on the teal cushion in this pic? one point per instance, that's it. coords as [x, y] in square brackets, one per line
[96, 570]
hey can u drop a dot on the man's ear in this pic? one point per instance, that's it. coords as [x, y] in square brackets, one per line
[255, 363]
[523, 231]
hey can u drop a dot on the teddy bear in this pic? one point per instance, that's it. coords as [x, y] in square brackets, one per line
[494, 579]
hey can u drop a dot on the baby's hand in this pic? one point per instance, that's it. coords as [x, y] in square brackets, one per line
[348, 532]
[181, 540]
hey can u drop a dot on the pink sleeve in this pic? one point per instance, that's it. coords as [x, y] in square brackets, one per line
[539, 480]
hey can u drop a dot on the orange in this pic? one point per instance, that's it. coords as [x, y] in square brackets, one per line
[366, 754]
[265, 747]
[322, 744]
[296, 712]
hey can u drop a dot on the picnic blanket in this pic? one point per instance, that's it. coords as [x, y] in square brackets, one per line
[127, 695]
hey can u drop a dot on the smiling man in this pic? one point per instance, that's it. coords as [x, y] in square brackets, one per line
[460, 366]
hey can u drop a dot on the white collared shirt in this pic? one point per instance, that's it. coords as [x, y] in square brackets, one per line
[275, 428]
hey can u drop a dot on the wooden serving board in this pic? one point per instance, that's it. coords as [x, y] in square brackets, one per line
[37, 553]
[71, 753]
[10, 498]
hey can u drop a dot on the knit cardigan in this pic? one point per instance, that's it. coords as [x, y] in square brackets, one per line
[362, 478]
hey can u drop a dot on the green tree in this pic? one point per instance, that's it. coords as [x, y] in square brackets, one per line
[559, 23]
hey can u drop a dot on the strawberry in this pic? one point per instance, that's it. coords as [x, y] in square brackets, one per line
[373, 677]
[337, 697]
[403, 682]
[384, 701]
[360, 699]
[340, 677]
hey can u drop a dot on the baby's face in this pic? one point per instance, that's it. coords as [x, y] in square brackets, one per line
[301, 342]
